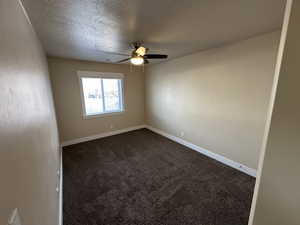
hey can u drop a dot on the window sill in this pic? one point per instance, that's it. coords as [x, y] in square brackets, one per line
[103, 115]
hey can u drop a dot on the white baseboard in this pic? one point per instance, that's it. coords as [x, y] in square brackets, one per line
[102, 135]
[222, 159]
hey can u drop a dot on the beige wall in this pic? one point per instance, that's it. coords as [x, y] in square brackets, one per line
[65, 84]
[218, 98]
[28, 132]
[279, 196]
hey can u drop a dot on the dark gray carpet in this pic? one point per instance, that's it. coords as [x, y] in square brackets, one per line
[141, 178]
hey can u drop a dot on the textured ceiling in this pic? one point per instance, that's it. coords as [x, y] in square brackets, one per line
[101, 30]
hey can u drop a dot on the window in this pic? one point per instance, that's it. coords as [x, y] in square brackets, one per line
[101, 93]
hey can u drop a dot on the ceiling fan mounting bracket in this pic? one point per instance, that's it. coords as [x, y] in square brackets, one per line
[136, 44]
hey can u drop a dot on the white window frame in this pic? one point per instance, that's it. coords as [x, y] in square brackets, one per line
[106, 75]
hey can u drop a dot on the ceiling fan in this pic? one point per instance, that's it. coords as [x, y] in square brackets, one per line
[139, 55]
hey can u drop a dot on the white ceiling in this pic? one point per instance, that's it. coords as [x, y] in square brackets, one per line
[102, 30]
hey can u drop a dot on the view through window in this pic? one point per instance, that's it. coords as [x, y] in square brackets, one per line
[101, 95]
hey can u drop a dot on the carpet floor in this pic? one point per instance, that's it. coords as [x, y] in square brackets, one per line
[142, 178]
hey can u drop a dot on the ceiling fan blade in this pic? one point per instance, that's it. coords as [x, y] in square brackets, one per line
[123, 60]
[115, 53]
[156, 56]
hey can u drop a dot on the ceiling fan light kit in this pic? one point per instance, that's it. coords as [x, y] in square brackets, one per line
[137, 60]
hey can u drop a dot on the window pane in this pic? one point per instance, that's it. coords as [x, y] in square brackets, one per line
[112, 98]
[92, 95]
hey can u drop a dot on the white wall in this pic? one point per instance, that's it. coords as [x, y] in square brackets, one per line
[28, 132]
[278, 199]
[218, 98]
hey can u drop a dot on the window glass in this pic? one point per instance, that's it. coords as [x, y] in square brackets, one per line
[112, 96]
[101, 95]
[92, 90]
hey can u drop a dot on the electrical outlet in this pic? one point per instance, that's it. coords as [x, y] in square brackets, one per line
[14, 218]
[181, 134]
